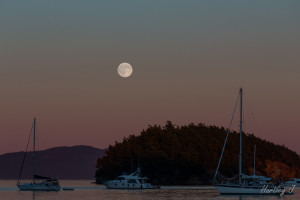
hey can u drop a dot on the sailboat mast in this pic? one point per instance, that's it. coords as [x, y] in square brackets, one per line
[33, 154]
[241, 135]
[254, 159]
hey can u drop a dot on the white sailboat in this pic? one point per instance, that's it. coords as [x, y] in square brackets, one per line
[246, 185]
[39, 183]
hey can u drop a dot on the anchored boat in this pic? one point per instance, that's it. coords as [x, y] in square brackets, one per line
[293, 182]
[131, 181]
[245, 185]
[39, 183]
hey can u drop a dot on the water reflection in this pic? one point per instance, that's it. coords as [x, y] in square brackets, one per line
[88, 191]
[248, 197]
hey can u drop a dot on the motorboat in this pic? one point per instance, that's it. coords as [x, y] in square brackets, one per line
[293, 182]
[132, 181]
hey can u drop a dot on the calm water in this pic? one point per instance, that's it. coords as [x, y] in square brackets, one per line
[87, 190]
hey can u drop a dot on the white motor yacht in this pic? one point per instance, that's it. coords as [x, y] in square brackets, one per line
[131, 181]
[293, 182]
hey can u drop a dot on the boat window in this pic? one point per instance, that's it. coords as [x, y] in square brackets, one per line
[131, 181]
[143, 180]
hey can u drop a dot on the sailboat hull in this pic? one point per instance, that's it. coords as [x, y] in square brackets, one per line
[249, 190]
[38, 187]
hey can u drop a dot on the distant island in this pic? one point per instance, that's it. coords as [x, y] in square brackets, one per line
[189, 155]
[76, 162]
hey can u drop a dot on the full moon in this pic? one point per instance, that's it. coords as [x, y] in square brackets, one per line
[125, 70]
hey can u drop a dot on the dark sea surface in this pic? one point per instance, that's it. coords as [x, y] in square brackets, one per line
[85, 189]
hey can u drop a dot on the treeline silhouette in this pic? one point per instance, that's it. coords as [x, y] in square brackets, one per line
[189, 155]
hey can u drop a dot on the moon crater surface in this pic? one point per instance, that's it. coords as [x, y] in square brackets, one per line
[125, 70]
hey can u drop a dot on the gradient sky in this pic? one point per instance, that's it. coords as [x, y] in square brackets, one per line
[59, 59]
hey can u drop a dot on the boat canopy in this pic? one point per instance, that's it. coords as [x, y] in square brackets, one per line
[42, 177]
